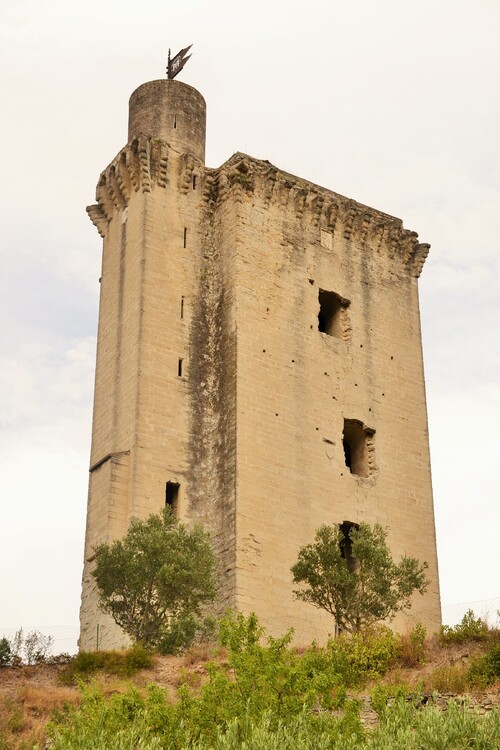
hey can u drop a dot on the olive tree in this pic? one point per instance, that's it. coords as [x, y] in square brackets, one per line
[159, 575]
[349, 572]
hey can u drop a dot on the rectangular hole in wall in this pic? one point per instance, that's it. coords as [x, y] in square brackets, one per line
[358, 443]
[180, 367]
[175, 121]
[333, 316]
[194, 182]
[182, 307]
[185, 236]
[346, 543]
[172, 497]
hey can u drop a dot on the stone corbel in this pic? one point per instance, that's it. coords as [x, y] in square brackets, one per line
[98, 219]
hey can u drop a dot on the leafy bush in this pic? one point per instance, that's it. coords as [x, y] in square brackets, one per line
[130, 722]
[470, 628]
[364, 656]
[156, 578]
[403, 727]
[383, 696]
[485, 670]
[181, 632]
[351, 575]
[271, 676]
[123, 663]
[133, 722]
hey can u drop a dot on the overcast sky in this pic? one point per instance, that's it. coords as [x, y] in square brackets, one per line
[392, 103]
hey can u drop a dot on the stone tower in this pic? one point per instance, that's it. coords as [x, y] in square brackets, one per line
[259, 365]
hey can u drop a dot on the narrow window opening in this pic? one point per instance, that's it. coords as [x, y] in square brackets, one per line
[346, 543]
[175, 121]
[172, 497]
[347, 454]
[333, 316]
[185, 236]
[182, 307]
[179, 367]
[194, 182]
[358, 442]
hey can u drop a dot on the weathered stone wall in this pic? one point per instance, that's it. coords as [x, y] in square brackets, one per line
[223, 269]
[296, 385]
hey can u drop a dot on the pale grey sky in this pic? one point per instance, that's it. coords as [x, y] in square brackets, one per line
[395, 104]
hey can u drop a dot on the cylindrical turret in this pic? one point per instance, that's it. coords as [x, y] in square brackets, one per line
[171, 111]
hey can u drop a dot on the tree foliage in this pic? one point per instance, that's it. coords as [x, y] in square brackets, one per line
[361, 588]
[160, 573]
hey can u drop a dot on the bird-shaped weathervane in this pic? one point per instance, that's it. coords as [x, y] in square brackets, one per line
[176, 64]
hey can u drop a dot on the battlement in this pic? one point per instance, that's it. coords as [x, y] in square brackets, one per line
[143, 164]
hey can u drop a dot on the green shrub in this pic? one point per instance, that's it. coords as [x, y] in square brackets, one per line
[271, 676]
[485, 670]
[404, 727]
[184, 631]
[363, 656]
[132, 722]
[470, 628]
[267, 696]
[123, 663]
[383, 696]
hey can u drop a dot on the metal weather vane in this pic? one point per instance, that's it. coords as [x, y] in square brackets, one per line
[176, 64]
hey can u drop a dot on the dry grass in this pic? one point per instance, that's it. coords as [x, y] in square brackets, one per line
[25, 709]
[451, 678]
[201, 652]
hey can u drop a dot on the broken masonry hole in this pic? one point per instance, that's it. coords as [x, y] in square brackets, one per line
[333, 317]
[356, 440]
